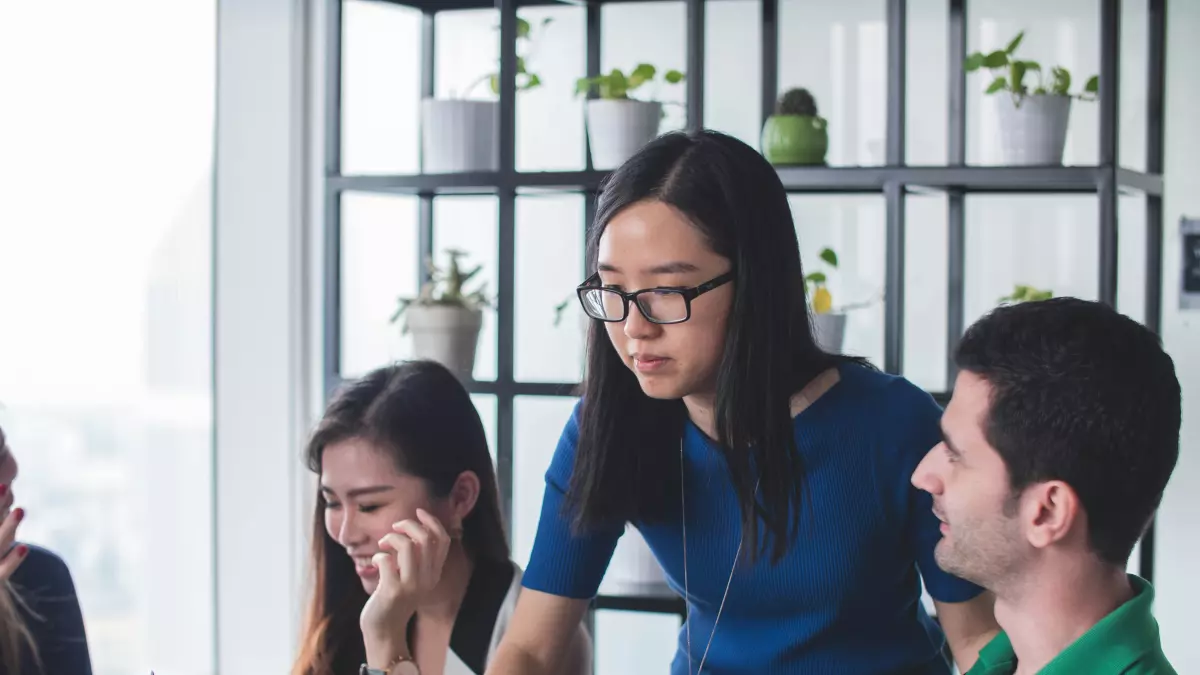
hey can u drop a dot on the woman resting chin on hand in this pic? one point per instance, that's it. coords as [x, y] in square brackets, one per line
[412, 569]
[409, 571]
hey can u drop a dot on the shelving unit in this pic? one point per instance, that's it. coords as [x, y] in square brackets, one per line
[895, 180]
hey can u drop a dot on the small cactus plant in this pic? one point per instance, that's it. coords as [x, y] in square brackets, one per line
[796, 102]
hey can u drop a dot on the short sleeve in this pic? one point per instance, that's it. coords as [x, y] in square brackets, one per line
[564, 562]
[916, 418]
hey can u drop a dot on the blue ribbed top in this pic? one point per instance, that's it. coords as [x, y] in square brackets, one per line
[846, 598]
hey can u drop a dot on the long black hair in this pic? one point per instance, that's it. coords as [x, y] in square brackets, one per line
[626, 465]
[421, 415]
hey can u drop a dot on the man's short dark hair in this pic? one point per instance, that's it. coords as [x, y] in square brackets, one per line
[1085, 395]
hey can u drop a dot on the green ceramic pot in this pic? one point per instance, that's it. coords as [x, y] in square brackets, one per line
[795, 139]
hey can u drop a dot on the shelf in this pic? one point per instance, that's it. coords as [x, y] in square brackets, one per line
[450, 5]
[798, 179]
[656, 598]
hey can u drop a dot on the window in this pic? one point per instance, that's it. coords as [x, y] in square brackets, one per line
[105, 294]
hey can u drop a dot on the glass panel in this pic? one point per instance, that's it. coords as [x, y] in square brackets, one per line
[838, 52]
[1049, 242]
[467, 49]
[925, 292]
[557, 54]
[1134, 57]
[381, 85]
[550, 240]
[107, 317]
[635, 643]
[733, 69]
[926, 97]
[1131, 256]
[486, 405]
[469, 224]
[538, 424]
[654, 33]
[1056, 34]
[853, 227]
[379, 265]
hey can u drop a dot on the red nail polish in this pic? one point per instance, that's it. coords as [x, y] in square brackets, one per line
[19, 514]
[22, 550]
[3, 489]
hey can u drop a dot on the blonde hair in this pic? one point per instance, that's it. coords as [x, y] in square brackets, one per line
[14, 633]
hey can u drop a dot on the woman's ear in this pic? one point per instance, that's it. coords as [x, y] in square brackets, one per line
[463, 495]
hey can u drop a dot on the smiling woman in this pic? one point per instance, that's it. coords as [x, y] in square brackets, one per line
[411, 562]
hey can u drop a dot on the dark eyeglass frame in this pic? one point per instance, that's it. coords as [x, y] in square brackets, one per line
[592, 283]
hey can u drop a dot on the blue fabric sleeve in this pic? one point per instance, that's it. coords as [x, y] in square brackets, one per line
[45, 585]
[916, 418]
[565, 562]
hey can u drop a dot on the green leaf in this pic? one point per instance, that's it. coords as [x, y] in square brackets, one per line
[673, 76]
[997, 84]
[523, 28]
[1017, 75]
[1093, 84]
[641, 75]
[1032, 66]
[533, 81]
[1012, 46]
[615, 85]
[583, 85]
[973, 62]
[996, 59]
[494, 83]
[520, 65]
[829, 257]
[815, 278]
[1062, 79]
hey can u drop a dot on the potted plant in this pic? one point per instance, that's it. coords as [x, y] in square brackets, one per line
[1025, 293]
[618, 125]
[795, 134]
[1033, 115]
[828, 320]
[459, 133]
[444, 319]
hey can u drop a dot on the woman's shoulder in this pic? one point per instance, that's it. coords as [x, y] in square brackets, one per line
[43, 570]
[867, 390]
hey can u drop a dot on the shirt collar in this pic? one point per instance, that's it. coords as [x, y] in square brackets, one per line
[1113, 644]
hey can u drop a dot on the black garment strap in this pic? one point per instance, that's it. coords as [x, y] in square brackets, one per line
[476, 620]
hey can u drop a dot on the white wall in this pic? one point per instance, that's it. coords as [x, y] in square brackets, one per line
[1178, 550]
[261, 338]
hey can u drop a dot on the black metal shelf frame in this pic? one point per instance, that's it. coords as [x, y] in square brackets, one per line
[894, 181]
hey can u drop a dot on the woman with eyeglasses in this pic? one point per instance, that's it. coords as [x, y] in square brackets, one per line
[771, 479]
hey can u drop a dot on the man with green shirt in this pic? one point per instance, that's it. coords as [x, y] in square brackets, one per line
[1060, 437]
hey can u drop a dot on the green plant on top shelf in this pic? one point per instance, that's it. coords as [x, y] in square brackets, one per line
[1025, 293]
[525, 78]
[447, 287]
[1010, 75]
[797, 101]
[615, 84]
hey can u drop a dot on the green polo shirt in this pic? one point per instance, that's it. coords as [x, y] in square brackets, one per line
[1125, 642]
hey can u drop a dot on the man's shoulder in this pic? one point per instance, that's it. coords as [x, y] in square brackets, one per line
[1153, 663]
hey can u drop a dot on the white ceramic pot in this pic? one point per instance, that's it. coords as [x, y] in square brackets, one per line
[460, 135]
[619, 128]
[446, 334]
[829, 329]
[1034, 132]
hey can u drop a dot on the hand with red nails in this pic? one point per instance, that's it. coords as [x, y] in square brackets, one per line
[11, 556]
[409, 569]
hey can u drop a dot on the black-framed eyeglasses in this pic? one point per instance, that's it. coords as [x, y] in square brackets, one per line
[663, 305]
